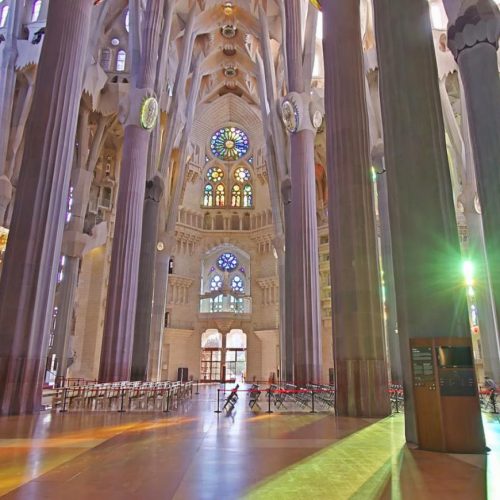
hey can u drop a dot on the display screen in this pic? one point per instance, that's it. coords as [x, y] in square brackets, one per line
[454, 357]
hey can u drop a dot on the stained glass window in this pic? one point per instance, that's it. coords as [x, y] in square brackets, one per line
[229, 143]
[242, 174]
[215, 174]
[247, 196]
[121, 60]
[237, 285]
[208, 197]
[216, 283]
[236, 196]
[227, 262]
[35, 12]
[220, 195]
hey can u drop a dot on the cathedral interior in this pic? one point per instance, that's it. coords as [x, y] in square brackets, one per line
[298, 197]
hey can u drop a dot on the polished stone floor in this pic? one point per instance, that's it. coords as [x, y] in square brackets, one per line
[193, 453]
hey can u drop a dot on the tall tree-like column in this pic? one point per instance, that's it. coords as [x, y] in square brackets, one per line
[473, 32]
[430, 298]
[359, 347]
[31, 262]
[116, 355]
[154, 198]
[303, 237]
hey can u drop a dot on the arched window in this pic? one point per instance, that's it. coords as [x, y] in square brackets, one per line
[237, 284]
[106, 59]
[216, 283]
[236, 196]
[247, 196]
[3, 17]
[121, 59]
[220, 195]
[208, 196]
[127, 21]
[211, 339]
[35, 12]
[242, 192]
[214, 193]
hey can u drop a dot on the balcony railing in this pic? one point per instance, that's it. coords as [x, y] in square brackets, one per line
[226, 304]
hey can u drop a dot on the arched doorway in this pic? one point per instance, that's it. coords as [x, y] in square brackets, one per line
[236, 355]
[211, 356]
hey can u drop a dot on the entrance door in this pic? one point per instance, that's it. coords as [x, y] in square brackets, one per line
[236, 364]
[210, 365]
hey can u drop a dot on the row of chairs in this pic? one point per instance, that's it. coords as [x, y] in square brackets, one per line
[122, 396]
[313, 396]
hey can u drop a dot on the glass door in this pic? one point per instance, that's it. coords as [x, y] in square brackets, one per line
[210, 365]
[236, 364]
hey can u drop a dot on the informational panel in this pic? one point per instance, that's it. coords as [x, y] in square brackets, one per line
[456, 371]
[457, 382]
[423, 367]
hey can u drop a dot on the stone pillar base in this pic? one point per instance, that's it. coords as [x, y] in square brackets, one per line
[361, 388]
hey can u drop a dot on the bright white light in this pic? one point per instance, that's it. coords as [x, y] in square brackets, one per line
[35, 14]
[319, 26]
[438, 17]
[3, 18]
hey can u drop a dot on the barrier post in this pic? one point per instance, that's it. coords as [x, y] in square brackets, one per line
[312, 402]
[218, 402]
[197, 387]
[167, 410]
[65, 393]
[122, 399]
[396, 394]
[269, 401]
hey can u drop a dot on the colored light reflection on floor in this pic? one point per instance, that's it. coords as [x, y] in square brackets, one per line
[355, 467]
[24, 459]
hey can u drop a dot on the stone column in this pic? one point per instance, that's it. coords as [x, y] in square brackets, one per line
[153, 203]
[8, 58]
[473, 32]
[154, 193]
[116, 355]
[32, 258]
[426, 252]
[303, 235]
[359, 347]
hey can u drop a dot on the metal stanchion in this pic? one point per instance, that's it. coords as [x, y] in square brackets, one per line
[197, 387]
[167, 410]
[312, 402]
[65, 393]
[122, 399]
[269, 400]
[218, 402]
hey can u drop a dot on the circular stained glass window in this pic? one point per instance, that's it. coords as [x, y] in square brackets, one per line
[242, 174]
[215, 174]
[229, 143]
[227, 262]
